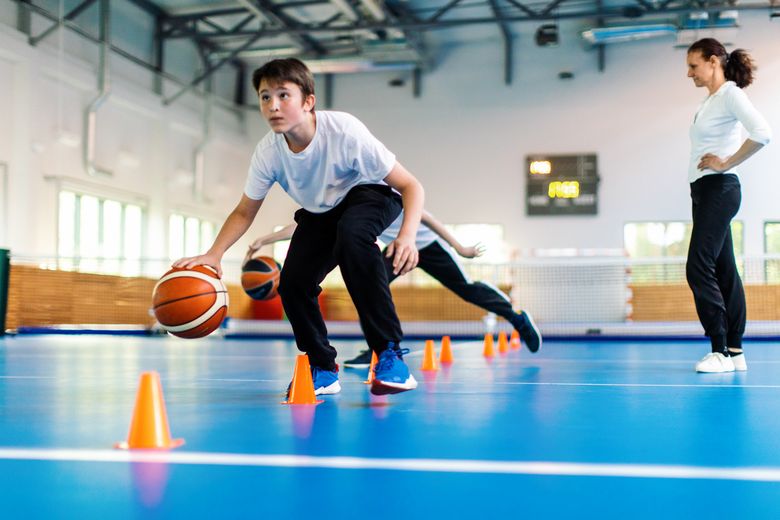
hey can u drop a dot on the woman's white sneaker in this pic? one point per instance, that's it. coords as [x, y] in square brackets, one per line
[740, 364]
[715, 362]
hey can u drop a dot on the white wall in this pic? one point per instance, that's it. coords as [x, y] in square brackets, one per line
[147, 146]
[467, 137]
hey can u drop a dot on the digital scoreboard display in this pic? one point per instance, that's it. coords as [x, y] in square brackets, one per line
[561, 185]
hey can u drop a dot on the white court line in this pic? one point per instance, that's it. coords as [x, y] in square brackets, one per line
[613, 361]
[639, 385]
[27, 377]
[529, 383]
[228, 380]
[759, 474]
[150, 357]
[492, 383]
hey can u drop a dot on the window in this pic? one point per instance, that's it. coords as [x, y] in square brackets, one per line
[668, 240]
[485, 267]
[772, 247]
[99, 235]
[189, 236]
[656, 239]
[491, 236]
[280, 248]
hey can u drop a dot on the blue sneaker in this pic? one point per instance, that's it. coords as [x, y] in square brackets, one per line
[326, 382]
[528, 330]
[391, 375]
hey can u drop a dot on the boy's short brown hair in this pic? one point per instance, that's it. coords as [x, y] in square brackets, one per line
[285, 69]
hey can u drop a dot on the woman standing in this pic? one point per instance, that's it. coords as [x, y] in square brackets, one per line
[717, 147]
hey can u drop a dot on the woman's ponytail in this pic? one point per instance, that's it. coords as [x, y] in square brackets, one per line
[739, 68]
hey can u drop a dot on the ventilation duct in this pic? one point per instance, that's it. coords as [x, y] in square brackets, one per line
[104, 84]
[347, 66]
[376, 55]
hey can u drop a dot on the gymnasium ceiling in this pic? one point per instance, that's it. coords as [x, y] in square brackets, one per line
[356, 35]
[388, 32]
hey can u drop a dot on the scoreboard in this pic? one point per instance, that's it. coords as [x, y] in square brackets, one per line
[561, 185]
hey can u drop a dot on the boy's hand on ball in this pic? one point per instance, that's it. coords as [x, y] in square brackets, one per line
[191, 261]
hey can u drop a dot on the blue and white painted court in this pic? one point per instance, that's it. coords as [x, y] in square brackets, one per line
[603, 429]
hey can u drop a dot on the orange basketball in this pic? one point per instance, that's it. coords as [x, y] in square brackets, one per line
[190, 303]
[260, 277]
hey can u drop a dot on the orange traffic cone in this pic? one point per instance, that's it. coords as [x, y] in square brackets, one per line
[302, 386]
[149, 426]
[445, 358]
[371, 370]
[514, 340]
[429, 357]
[488, 350]
[503, 344]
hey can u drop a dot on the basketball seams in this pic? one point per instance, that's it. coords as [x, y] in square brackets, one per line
[220, 301]
[168, 302]
[214, 282]
[203, 317]
[260, 277]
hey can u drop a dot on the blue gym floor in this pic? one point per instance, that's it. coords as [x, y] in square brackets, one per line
[580, 430]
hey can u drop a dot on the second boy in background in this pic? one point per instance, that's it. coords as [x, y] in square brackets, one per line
[436, 259]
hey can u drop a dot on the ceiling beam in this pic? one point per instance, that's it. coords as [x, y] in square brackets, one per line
[506, 36]
[374, 8]
[550, 8]
[346, 9]
[268, 10]
[441, 12]
[213, 68]
[398, 12]
[73, 13]
[426, 25]
[527, 10]
[150, 7]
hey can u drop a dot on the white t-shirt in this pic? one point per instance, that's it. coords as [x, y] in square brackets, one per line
[717, 127]
[425, 235]
[343, 154]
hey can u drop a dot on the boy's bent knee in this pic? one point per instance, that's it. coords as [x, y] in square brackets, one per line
[289, 283]
[353, 240]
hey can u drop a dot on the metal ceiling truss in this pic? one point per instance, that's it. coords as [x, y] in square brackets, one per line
[512, 11]
[413, 23]
[27, 8]
[601, 49]
[340, 34]
[69, 16]
[398, 13]
[360, 29]
[506, 35]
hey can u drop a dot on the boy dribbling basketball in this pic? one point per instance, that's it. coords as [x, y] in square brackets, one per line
[347, 184]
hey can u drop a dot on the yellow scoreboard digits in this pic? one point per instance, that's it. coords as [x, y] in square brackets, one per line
[563, 189]
[561, 184]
